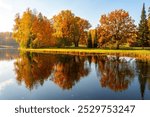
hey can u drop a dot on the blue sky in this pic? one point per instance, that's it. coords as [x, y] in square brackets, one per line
[88, 9]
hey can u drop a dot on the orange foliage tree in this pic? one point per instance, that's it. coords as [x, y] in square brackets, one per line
[116, 29]
[69, 28]
[32, 30]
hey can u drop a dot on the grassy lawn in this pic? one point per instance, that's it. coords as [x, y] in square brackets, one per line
[130, 52]
[125, 52]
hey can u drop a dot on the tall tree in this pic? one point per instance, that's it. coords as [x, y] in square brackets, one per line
[22, 28]
[63, 26]
[143, 32]
[95, 39]
[89, 45]
[149, 24]
[116, 28]
[149, 18]
[80, 28]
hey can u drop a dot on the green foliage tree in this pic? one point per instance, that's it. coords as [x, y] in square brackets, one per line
[149, 24]
[89, 45]
[143, 31]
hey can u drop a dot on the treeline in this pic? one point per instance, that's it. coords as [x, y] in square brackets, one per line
[33, 30]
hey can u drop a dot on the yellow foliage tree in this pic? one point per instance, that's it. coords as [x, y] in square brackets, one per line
[69, 28]
[32, 30]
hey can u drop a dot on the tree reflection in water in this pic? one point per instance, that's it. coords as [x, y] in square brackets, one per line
[33, 69]
[143, 75]
[69, 70]
[115, 73]
[65, 71]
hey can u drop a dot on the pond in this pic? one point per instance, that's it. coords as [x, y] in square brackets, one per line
[72, 77]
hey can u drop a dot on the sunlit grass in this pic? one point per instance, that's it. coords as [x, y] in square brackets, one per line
[134, 52]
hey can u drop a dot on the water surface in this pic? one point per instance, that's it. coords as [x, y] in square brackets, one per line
[56, 76]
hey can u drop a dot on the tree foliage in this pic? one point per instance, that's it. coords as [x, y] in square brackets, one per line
[95, 39]
[89, 45]
[116, 28]
[143, 31]
[65, 71]
[70, 28]
[32, 30]
[149, 24]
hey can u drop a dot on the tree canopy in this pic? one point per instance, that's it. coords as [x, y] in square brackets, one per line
[69, 28]
[32, 30]
[116, 28]
[143, 31]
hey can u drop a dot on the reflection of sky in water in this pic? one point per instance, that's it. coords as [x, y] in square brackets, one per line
[5, 83]
[6, 70]
[88, 87]
[7, 76]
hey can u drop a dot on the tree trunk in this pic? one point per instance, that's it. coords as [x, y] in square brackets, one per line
[117, 45]
[76, 44]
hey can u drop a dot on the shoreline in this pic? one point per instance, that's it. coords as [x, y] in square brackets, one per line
[85, 50]
[143, 54]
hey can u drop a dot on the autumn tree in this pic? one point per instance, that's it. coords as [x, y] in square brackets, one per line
[116, 28]
[22, 28]
[89, 45]
[42, 31]
[69, 28]
[32, 30]
[63, 27]
[143, 32]
[80, 30]
[95, 39]
[92, 32]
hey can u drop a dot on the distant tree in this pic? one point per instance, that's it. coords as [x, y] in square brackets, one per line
[95, 39]
[116, 28]
[143, 31]
[89, 40]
